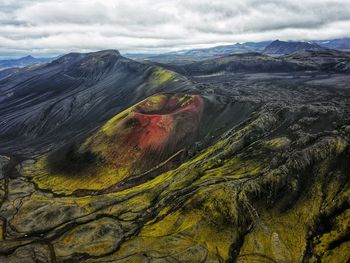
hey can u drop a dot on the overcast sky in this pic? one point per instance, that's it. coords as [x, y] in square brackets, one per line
[51, 27]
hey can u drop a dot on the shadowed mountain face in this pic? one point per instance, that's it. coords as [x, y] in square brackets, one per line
[75, 94]
[246, 159]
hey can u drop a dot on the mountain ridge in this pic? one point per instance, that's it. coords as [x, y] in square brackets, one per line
[278, 47]
[192, 55]
[70, 90]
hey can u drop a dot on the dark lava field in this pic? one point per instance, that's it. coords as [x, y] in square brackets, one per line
[241, 158]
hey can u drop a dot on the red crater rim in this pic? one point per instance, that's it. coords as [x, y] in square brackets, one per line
[153, 130]
[160, 116]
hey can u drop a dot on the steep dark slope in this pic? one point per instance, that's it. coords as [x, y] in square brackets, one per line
[75, 93]
[278, 47]
[7, 72]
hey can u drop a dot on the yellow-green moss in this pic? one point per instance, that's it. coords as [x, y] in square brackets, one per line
[153, 103]
[277, 143]
[281, 234]
[340, 254]
[68, 183]
[160, 76]
[340, 230]
[1, 230]
[233, 168]
[110, 125]
[195, 227]
[87, 239]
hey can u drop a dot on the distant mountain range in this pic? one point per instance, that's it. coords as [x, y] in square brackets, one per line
[227, 49]
[189, 56]
[323, 60]
[340, 44]
[276, 47]
[22, 62]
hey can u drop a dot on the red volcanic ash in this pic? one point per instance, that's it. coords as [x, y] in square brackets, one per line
[154, 131]
[150, 132]
[158, 128]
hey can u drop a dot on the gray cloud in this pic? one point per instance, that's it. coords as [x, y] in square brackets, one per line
[50, 27]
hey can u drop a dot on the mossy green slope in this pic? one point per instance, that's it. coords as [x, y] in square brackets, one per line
[131, 143]
[257, 193]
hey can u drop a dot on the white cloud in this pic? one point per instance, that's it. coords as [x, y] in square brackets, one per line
[43, 27]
